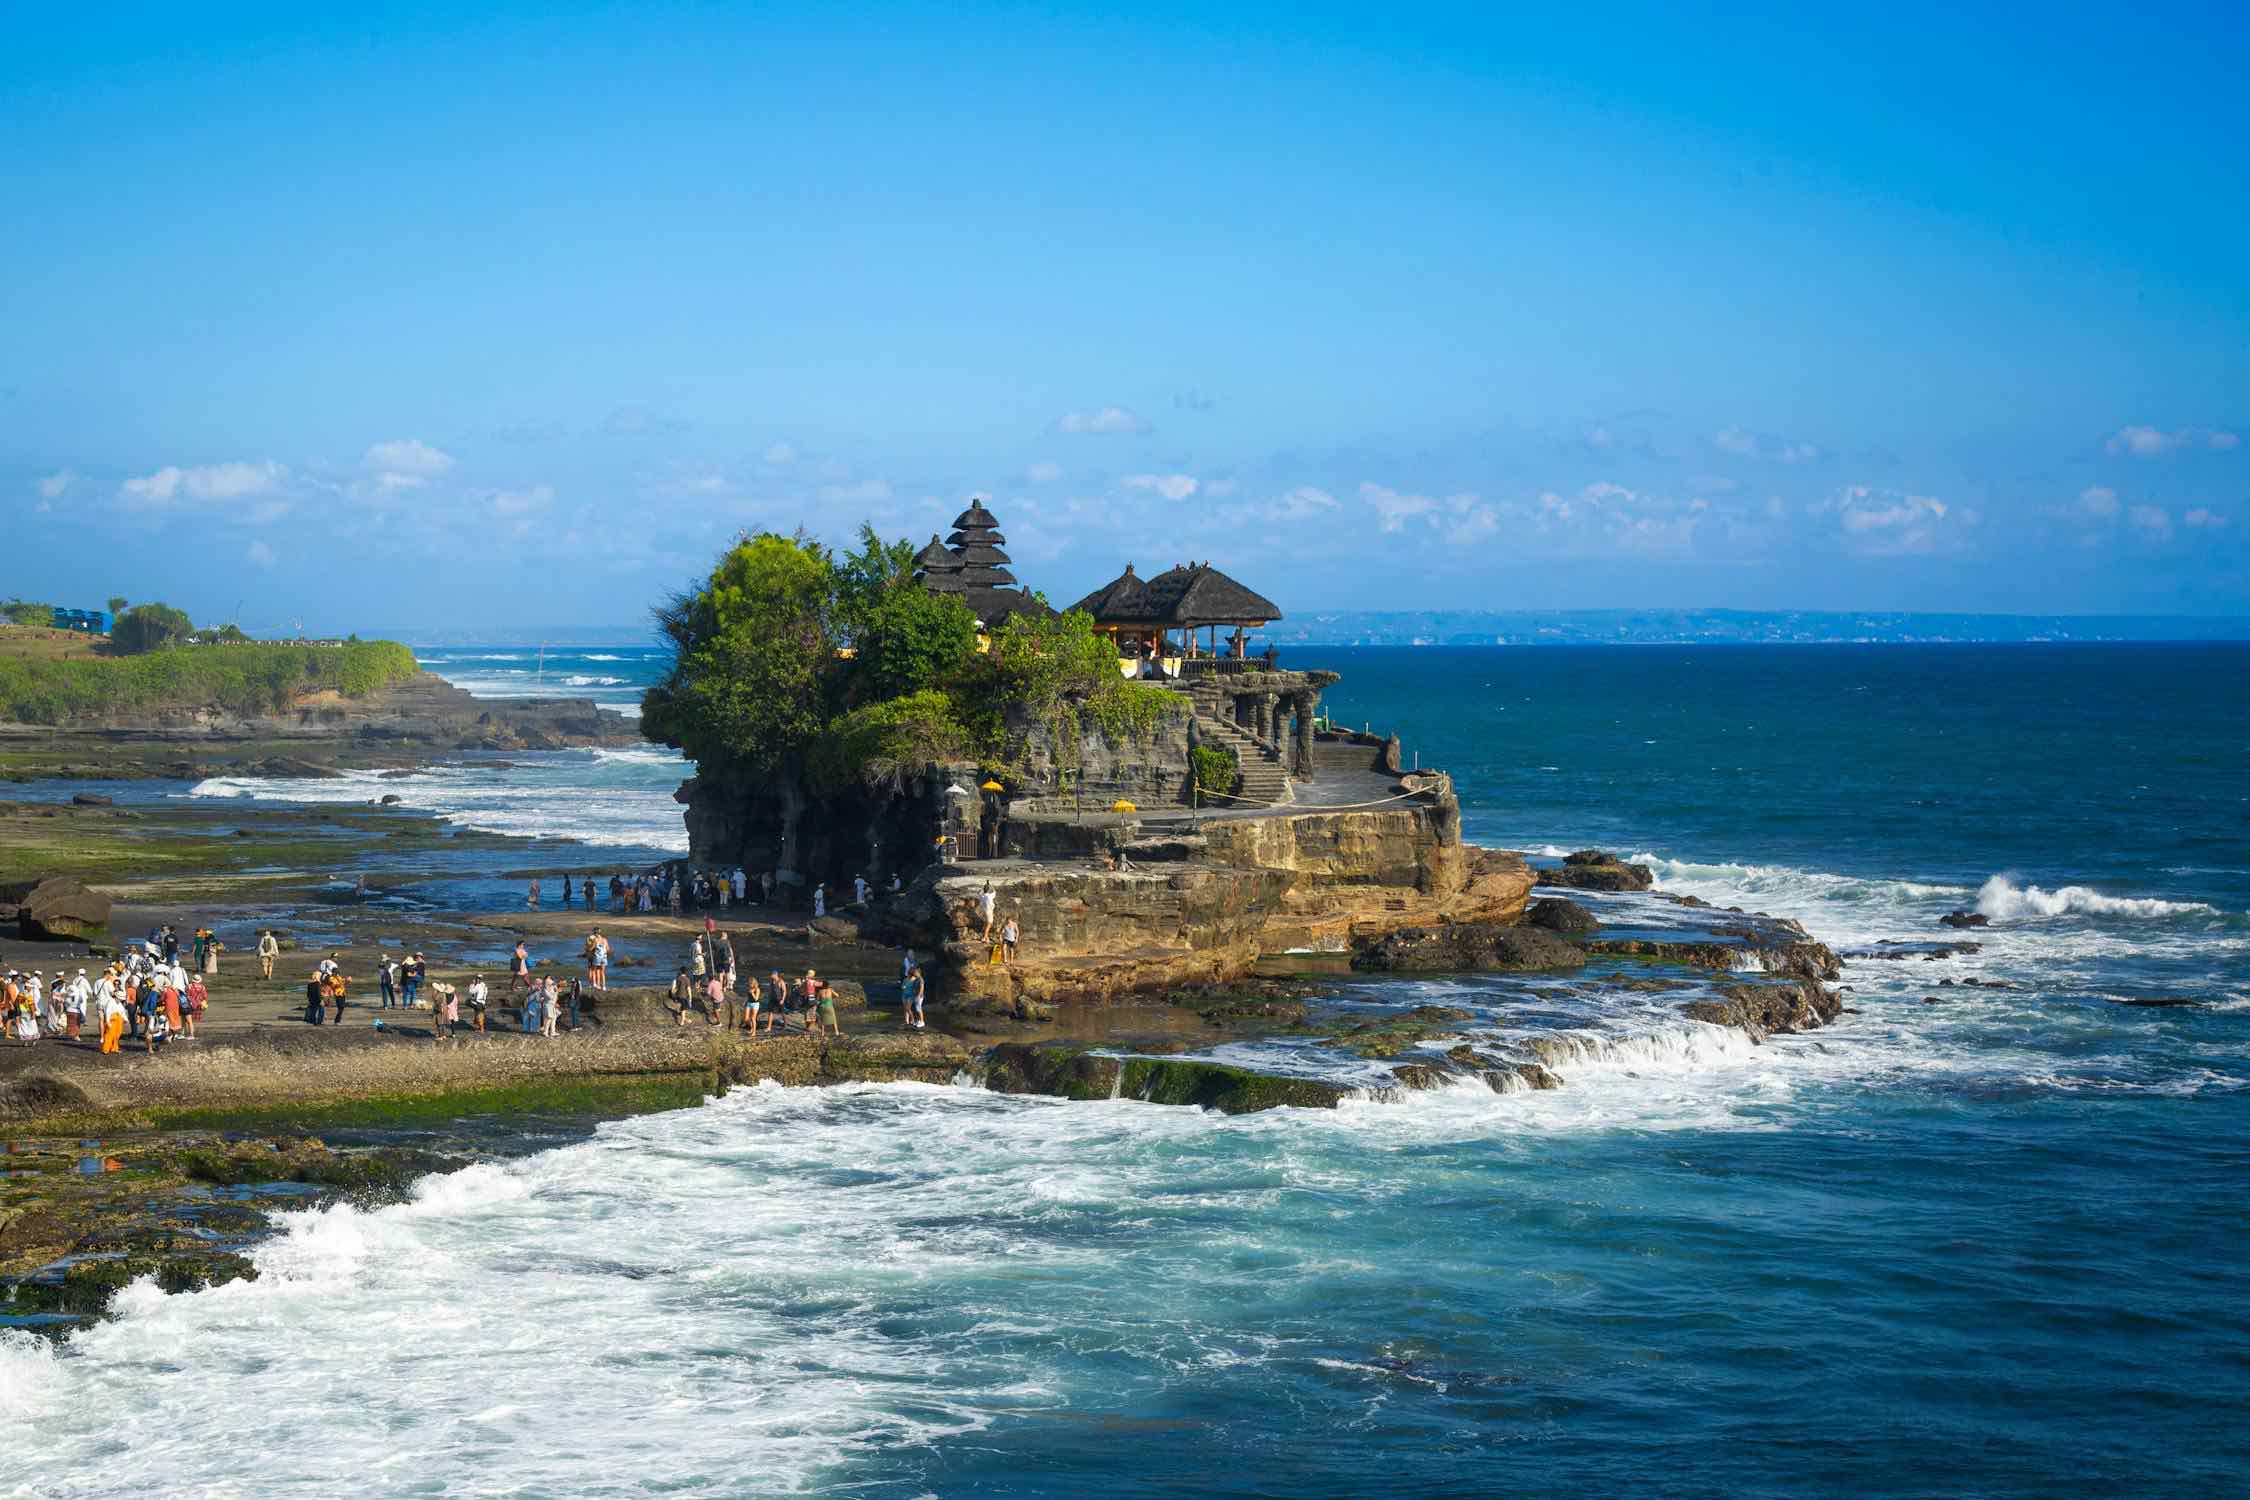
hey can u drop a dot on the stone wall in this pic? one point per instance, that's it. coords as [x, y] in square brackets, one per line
[1070, 763]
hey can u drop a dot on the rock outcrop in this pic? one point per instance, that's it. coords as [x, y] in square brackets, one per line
[57, 910]
[1465, 948]
[1593, 870]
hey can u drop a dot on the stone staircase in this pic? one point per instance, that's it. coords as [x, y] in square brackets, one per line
[1265, 777]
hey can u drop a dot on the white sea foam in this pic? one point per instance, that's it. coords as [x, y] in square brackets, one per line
[581, 680]
[601, 656]
[2001, 897]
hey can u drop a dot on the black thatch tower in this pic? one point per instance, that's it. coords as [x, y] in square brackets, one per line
[976, 543]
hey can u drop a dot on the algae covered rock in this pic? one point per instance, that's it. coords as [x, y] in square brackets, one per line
[1064, 1070]
[58, 910]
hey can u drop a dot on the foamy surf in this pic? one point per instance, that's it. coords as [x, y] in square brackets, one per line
[2001, 898]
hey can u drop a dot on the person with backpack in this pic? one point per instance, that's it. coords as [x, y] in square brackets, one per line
[386, 980]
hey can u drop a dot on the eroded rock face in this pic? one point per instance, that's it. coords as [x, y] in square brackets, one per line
[1962, 919]
[57, 910]
[1593, 870]
[1464, 948]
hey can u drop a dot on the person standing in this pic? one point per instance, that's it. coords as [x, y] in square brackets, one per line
[697, 965]
[74, 1006]
[386, 980]
[531, 894]
[268, 951]
[910, 999]
[683, 995]
[715, 1001]
[777, 998]
[820, 899]
[550, 1007]
[599, 971]
[752, 1001]
[987, 904]
[478, 996]
[109, 1013]
[194, 1003]
[411, 974]
[820, 1003]
[1010, 935]
[212, 948]
[519, 971]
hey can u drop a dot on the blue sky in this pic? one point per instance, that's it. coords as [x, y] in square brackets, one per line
[402, 318]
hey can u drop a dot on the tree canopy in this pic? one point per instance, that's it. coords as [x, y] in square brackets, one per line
[149, 627]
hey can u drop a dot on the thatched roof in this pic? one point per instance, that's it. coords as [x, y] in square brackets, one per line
[1124, 597]
[979, 552]
[976, 518]
[1186, 596]
[938, 570]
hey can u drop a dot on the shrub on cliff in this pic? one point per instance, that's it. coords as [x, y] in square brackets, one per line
[24, 612]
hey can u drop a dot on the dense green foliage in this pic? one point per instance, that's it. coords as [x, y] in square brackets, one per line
[829, 671]
[1216, 770]
[24, 612]
[148, 627]
[252, 679]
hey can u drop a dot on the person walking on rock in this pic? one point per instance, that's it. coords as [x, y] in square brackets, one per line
[987, 904]
[386, 980]
[478, 997]
[268, 951]
[1010, 935]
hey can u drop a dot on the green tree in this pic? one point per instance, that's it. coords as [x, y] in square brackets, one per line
[149, 627]
[754, 661]
[23, 612]
[864, 579]
[117, 603]
[911, 639]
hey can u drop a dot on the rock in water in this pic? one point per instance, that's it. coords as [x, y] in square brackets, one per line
[1959, 918]
[1557, 915]
[1468, 948]
[1593, 870]
[91, 799]
[58, 909]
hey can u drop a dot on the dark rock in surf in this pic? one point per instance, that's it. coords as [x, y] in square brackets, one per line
[1593, 870]
[1558, 915]
[1960, 919]
[1468, 948]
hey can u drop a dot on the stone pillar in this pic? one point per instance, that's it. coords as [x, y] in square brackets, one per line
[1303, 702]
[1269, 717]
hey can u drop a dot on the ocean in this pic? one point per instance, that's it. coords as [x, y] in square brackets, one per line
[1972, 1240]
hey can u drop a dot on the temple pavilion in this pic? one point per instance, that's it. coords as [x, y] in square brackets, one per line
[1192, 602]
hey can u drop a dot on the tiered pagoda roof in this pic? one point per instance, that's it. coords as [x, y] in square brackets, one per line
[972, 567]
[976, 542]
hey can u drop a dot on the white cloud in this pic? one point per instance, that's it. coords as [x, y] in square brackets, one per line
[865, 492]
[1043, 473]
[2098, 500]
[1219, 489]
[2202, 518]
[780, 455]
[1106, 419]
[1393, 509]
[205, 484]
[1750, 444]
[1888, 523]
[2154, 442]
[258, 555]
[2151, 518]
[1170, 486]
[404, 463]
[53, 486]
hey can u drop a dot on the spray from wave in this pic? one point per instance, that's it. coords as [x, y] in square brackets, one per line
[2001, 897]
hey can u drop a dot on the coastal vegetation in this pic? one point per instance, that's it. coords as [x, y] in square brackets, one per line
[816, 672]
[250, 678]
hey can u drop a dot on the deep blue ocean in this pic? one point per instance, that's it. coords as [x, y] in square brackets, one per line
[1990, 1245]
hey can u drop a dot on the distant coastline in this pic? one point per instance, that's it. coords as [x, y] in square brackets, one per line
[1583, 627]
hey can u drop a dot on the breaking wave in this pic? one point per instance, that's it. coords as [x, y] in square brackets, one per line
[2001, 897]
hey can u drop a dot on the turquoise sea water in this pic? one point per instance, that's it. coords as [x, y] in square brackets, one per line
[1986, 1246]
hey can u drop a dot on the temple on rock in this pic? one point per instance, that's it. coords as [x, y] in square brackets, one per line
[1187, 628]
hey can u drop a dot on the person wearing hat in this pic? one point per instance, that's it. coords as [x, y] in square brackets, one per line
[74, 1005]
[268, 951]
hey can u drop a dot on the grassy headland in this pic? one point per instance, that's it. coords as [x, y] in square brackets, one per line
[252, 678]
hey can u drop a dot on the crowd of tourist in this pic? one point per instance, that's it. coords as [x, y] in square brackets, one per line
[676, 890]
[143, 995]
